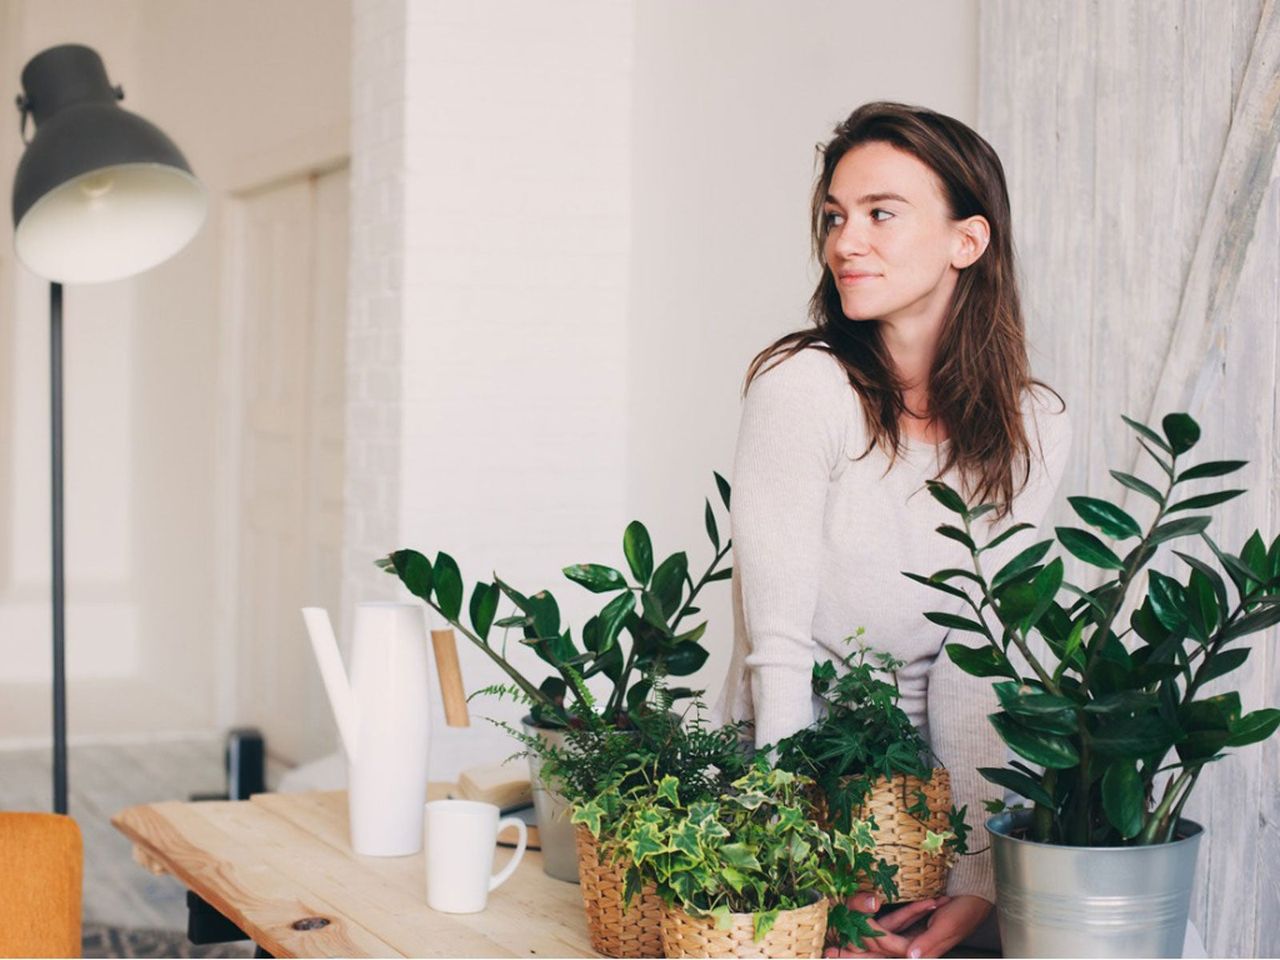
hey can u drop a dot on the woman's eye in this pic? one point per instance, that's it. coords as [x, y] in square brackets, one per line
[879, 210]
[831, 219]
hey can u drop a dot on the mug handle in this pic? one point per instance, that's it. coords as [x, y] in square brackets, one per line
[499, 879]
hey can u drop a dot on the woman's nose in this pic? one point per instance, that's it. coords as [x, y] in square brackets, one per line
[848, 240]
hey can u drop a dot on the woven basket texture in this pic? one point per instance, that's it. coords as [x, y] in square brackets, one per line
[797, 933]
[615, 932]
[899, 835]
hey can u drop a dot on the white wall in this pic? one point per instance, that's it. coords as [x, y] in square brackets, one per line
[248, 91]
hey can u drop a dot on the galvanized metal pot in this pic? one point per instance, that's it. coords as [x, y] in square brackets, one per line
[555, 831]
[1059, 901]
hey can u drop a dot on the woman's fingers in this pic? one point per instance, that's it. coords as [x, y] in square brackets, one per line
[905, 916]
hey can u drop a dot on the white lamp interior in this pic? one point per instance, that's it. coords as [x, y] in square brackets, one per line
[111, 223]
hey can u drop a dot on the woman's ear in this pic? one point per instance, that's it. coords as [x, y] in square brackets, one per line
[971, 239]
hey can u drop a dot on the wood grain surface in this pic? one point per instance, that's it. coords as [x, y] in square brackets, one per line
[280, 864]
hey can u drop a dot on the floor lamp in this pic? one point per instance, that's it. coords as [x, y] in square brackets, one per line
[100, 194]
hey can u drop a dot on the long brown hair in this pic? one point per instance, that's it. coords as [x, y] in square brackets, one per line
[980, 369]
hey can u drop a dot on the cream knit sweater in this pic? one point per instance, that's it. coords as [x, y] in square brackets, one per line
[820, 540]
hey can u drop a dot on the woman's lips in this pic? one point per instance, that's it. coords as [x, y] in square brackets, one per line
[852, 279]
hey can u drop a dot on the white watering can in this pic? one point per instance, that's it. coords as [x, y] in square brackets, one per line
[384, 719]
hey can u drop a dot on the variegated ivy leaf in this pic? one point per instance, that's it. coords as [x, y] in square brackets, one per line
[591, 814]
[724, 917]
[932, 843]
[667, 790]
[750, 800]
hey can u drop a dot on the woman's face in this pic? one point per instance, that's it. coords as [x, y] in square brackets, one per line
[893, 250]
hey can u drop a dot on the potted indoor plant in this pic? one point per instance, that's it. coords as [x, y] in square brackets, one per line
[1113, 727]
[871, 763]
[748, 873]
[597, 765]
[639, 635]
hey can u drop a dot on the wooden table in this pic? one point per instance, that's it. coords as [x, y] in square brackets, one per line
[274, 863]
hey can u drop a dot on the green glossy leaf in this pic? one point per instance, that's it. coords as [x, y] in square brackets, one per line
[546, 614]
[713, 531]
[958, 535]
[1259, 619]
[614, 615]
[1105, 516]
[948, 497]
[723, 486]
[596, 578]
[1182, 527]
[638, 549]
[1025, 560]
[936, 585]
[1046, 749]
[1205, 500]
[1168, 600]
[955, 622]
[668, 582]
[1202, 606]
[685, 659]
[981, 661]
[1019, 783]
[1223, 663]
[725, 574]
[1211, 468]
[484, 606]
[1210, 574]
[1255, 555]
[1139, 486]
[1040, 711]
[1122, 702]
[1142, 735]
[1012, 531]
[1181, 431]
[950, 573]
[1145, 431]
[1015, 601]
[447, 586]
[1123, 797]
[1087, 547]
[1253, 727]
[415, 572]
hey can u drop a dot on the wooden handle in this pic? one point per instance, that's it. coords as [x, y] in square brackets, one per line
[452, 693]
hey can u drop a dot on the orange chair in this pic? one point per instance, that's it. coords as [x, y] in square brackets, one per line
[41, 879]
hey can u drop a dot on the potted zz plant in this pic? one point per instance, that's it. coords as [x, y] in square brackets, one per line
[871, 763]
[747, 873]
[638, 636]
[597, 766]
[1113, 725]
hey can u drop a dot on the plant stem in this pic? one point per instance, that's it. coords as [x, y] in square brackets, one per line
[1151, 829]
[1182, 802]
[684, 611]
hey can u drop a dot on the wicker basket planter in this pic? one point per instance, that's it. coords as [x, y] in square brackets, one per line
[615, 932]
[797, 933]
[899, 835]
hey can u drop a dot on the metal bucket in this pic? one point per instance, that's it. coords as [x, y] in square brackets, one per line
[1060, 901]
[555, 831]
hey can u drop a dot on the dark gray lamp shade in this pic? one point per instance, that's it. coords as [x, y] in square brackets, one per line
[100, 193]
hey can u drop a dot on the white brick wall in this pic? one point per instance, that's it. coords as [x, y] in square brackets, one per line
[375, 298]
[487, 366]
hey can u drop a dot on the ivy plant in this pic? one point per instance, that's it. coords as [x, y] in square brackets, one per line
[639, 635]
[862, 738]
[756, 848]
[1113, 726]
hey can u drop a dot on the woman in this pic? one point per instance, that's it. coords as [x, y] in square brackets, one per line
[916, 367]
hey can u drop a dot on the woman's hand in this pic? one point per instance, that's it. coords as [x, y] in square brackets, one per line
[949, 921]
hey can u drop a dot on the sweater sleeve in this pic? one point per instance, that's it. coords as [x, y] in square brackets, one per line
[958, 703]
[790, 442]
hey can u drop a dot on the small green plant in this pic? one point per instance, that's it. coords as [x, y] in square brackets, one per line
[865, 737]
[651, 611]
[602, 759]
[755, 848]
[1099, 717]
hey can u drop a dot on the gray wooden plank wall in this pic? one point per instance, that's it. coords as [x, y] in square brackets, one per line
[1111, 118]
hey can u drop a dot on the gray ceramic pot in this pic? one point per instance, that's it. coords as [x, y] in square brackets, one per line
[1059, 901]
[555, 832]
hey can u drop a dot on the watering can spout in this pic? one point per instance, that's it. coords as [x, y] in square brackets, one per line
[325, 645]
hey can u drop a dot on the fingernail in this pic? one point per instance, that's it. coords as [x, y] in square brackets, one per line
[914, 953]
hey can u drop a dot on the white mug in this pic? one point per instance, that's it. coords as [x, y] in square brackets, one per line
[460, 838]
